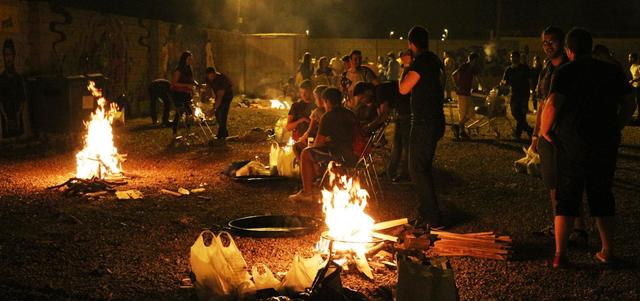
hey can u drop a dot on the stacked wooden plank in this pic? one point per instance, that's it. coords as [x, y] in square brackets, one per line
[481, 245]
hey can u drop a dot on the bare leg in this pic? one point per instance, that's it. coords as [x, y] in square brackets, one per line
[307, 171]
[606, 228]
[563, 226]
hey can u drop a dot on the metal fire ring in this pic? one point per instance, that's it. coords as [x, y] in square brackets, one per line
[326, 236]
[274, 225]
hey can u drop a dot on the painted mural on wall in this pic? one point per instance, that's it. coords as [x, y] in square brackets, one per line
[181, 38]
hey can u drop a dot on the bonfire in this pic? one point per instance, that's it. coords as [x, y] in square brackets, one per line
[99, 158]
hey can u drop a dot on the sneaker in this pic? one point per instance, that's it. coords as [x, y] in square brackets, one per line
[301, 196]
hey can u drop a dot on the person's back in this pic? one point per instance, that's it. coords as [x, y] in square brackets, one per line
[589, 114]
[464, 79]
[338, 125]
[518, 78]
[427, 96]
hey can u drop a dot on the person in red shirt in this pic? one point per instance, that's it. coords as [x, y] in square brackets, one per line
[463, 81]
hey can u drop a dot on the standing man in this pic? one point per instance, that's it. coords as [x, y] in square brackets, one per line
[14, 111]
[392, 71]
[424, 81]
[463, 79]
[221, 87]
[400, 149]
[588, 105]
[160, 90]
[449, 68]
[358, 73]
[634, 69]
[553, 47]
[518, 77]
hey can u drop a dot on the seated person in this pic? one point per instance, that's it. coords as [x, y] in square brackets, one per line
[334, 141]
[298, 118]
[371, 111]
[315, 116]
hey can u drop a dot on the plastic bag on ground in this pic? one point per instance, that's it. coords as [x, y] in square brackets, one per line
[238, 273]
[265, 280]
[302, 273]
[210, 284]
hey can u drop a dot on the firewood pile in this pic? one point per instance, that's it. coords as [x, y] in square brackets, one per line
[405, 238]
[89, 188]
[482, 245]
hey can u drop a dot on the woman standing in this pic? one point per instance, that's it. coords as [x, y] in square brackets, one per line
[182, 84]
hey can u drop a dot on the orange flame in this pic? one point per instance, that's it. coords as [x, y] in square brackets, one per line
[99, 158]
[349, 226]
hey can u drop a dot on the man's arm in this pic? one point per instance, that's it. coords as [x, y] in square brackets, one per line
[408, 82]
[218, 100]
[320, 140]
[383, 113]
[549, 114]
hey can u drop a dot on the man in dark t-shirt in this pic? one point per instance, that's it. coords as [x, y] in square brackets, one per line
[518, 76]
[589, 104]
[298, 117]
[425, 83]
[334, 141]
[222, 88]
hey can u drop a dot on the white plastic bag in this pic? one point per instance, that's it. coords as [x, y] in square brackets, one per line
[280, 131]
[235, 262]
[286, 163]
[533, 167]
[210, 284]
[302, 273]
[265, 280]
[273, 155]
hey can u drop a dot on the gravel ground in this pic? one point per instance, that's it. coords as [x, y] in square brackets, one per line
[58, 248]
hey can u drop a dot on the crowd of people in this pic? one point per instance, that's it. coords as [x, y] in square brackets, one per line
[581, 98]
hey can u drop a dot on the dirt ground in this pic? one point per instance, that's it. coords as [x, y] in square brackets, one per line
[58, 248]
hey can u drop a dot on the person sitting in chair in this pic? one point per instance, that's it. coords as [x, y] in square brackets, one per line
[371, 111]
[334, 141]
[298, 117]
[315, 117]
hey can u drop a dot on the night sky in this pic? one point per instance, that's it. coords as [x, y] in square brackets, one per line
[375, 18]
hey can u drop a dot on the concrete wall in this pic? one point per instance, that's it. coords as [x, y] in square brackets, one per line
[52, 40]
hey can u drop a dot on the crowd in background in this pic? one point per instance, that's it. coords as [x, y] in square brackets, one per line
[581, 96]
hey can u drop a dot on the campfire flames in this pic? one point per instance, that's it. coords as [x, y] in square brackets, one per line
[198, 113]
[279, 104]
[349, 226]
[99, 158]
[289, 147]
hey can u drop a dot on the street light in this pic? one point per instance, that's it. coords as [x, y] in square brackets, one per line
[391, 33]
[307, 32]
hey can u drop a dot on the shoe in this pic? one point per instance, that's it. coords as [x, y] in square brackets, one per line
[561, 262]
[301, 196]
[579, 237]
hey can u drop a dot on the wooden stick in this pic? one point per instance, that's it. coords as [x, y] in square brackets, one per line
[384, 236]
[390, 224]
[169, 192]
[479, 249]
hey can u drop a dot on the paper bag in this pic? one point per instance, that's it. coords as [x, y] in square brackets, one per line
[432, 281]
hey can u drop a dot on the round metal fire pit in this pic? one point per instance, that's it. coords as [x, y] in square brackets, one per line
[274, 225]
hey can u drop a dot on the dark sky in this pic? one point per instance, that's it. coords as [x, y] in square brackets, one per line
[375, 18]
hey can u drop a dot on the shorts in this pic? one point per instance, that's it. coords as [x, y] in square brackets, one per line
[548, 163]
[594, 175]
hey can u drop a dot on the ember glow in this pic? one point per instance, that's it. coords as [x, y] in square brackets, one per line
[99, 158]
[279, 104]
[349, 226]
